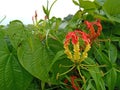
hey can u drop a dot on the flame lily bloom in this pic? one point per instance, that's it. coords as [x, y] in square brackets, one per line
[94, 34]
[72, 81]
[72, 78]
[34, 19]
[76, 56]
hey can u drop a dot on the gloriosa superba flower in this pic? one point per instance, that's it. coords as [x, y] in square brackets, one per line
[79, 52]
[94, 33]
[77, 44]
[74, 37]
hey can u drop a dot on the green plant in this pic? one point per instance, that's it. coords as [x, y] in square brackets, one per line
[80, 53]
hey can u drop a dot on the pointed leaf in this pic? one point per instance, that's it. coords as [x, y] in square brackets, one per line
[112, 9]
[87, 5]
[111, 79]
[36, 58]
[100, 2]
[45, 10]
[112, 53]
[96, 75]
[12, 75]
[16, 32]
[75, 2]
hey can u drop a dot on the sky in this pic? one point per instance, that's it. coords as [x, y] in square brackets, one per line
[24, 9]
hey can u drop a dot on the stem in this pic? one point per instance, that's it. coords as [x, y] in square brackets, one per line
[58, 74]
[65, 65]
[52, 5]
[50, 8]
[117, 70]
[2, 19]
[47, 33]
[94, 65]
[83, 78]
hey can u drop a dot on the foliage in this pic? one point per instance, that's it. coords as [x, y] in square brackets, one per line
[36, 57]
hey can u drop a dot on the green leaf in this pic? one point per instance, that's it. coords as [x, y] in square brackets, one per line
[116, 29]
[118, 81]
[55, 45]
[100, 2]
[87, 5]
[37, 59]
[96, 75]
[115, 38]
[12, 75]
[111, 79]
[75, 2]
[16, 32]
[45, 10]
[112, 52]
[100, 56]
[90, 86]
[57, 56]
[61, 66]
[77, 18]
[78, 15]
[112, 9]
[42, 85]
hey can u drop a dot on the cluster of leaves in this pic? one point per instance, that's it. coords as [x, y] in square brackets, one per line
[32, 55]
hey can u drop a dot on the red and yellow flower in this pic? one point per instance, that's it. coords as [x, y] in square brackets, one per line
[79, 52]
[74, 37]
[73, 82]
[94, 33]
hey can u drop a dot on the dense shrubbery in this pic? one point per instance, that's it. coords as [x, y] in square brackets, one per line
[80, 52]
